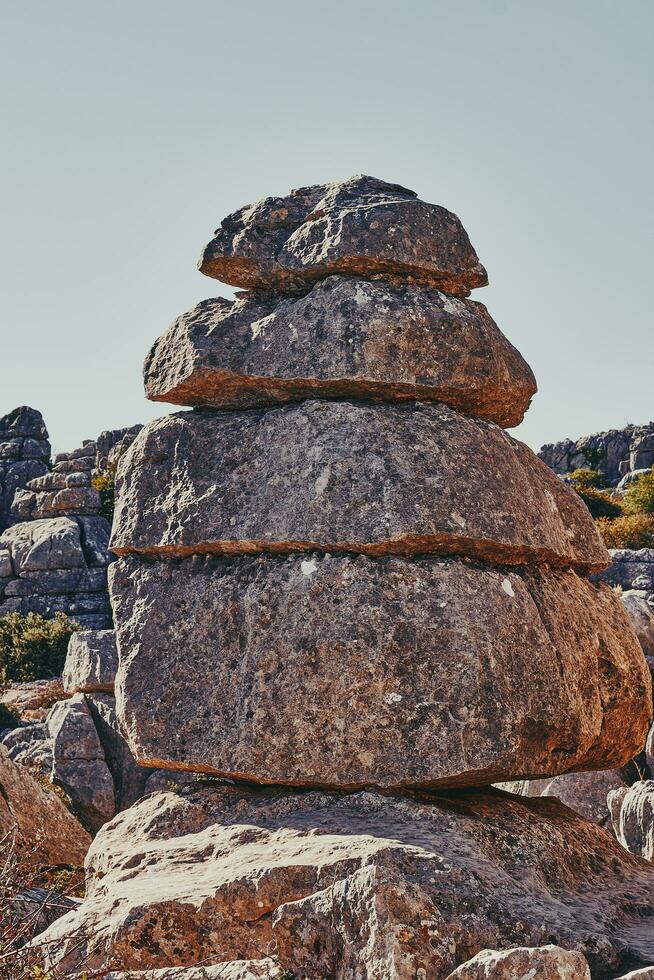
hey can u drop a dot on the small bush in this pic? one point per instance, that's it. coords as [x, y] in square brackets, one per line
[628, 531]
[105, 482]
[8, 717]
[639, 495]
[600, 504]
[586, 479]
[32, 647]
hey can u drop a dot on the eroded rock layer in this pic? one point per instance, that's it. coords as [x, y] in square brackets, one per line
[347, 338]
[352, 885]
[369, 478]
[359, 227]
[343, 671]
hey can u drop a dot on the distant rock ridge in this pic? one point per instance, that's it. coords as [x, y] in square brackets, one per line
[615, 453]
[54, 543]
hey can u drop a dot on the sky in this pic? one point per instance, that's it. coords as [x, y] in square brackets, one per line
[130, 128]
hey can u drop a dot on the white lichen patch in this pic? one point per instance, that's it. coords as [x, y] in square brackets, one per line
[309, 567]
[393, 698]
[508, 588]
[258, 328]
[453, 306]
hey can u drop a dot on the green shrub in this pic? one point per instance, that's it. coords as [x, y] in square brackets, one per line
[105, 482]
[639, 495]
[628, 531]
[586, 479]
[32, 647]
[8, 717]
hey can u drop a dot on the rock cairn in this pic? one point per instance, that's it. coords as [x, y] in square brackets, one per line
[338, 574]
[24, 455]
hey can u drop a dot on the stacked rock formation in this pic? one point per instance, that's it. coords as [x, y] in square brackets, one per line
[54, 557]
[24, 455]
[340, 573]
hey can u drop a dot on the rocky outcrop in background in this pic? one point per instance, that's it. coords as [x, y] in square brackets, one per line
[24, 455]
[54, 555]
[291, 609]
[618, 454]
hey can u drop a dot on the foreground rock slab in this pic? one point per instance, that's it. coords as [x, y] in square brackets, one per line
[347, 338]
[343, 671]
[358, 227]
[374, 479]
[264, 969]
[43, 829]
[353, 885]
[524, 963]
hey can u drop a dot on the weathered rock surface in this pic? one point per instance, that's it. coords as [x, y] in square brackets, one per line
[524, 963]
[31, 700]
[57, 565]
[265, 969]
[30, 746]
[91, 760]
[45, 832]
[79, 764]
[632, 813]
[91, 662]
[584, 792]
[347, 338]
[24, 454]
[349, 671]
[630, 569]
[346, 476]
[641, 614]
[357, 227]
[353, 885]
[614, 453]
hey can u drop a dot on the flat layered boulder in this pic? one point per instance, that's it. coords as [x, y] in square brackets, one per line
[346, 476]
[91, 662]
[349, 671]
[347, 338]
[352, 885]
[357, 227]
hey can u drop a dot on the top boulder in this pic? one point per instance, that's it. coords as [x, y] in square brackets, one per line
[360, 227]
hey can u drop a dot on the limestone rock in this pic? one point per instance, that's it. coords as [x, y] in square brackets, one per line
[630, 569]
[357, 227]
[111, 444]
[347, 338]
[265, 969]
[57, 565]
[641, 615]
[375, 479]
[584, 792]
[30, 746]
[129, 779]
[31, 700]
[614, 453]
[91, 662]
[79, 764]
[632, 812]
[352, 885]
[347, 671]
[539, 963]
[45, 832]
[24, 455]
[31, 505]
[647, 973]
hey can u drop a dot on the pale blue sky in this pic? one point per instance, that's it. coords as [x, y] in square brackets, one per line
[131, 127]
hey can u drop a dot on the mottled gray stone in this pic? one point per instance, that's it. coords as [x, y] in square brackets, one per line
[632, 813]
[79, 764]
[128, 778]
[584, 792]
[24, 454]
[346, 476]
[347, 338]
[525, 963]
[615, 453]
[630, 569]
[361, 227]
[641, 615]
[31, 505]
[362, 885]
[343, 671]
[91, 662]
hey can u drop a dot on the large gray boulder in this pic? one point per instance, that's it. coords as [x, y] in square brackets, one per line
[351, 671]
[352, 885]
[358, 227]
[91, 662]
[641, 614]
[584, 792]
[347, 476]
[524, 963]
[57, 565]
[347, 338]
